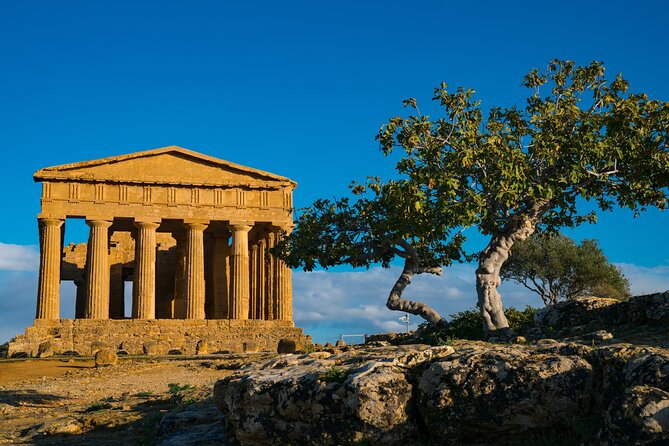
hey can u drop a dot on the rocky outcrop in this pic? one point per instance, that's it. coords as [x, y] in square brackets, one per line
[587, 314]
[502, 394]
[469, 393]
[323, 399]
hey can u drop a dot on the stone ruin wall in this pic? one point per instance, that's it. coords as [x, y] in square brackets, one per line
[153, 337]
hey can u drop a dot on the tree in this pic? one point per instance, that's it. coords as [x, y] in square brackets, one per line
[384, 221]
[555, 267]
[585, 139]
[579, 136]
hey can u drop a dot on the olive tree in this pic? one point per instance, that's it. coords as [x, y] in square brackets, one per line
[557, 268]
[579, 137]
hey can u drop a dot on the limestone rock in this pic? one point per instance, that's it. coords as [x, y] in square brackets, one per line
[60, 426]
[482, 393]
[105, 357]
[578, 312]
[340, 343]
[153, 348]
[288, 346]
[197, 424]
[46, 349]
[318, 399]
[639, 416]
[96, 346]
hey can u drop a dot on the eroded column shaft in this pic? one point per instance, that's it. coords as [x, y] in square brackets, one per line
[239, 289]
[144, 286]
[48, 287]
[194, 266]
[97, 270]
[221, 267]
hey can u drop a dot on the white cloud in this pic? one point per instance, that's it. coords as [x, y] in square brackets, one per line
[18, 257]
[645, 279]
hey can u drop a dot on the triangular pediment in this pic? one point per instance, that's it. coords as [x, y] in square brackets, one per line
[167, 165]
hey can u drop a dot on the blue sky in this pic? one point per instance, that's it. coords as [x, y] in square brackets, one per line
[295, 88]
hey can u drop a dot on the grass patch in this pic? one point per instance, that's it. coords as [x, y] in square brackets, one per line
[175, 389]
[334, 374]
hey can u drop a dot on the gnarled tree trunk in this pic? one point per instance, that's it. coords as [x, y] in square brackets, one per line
[395, 301]
[490, 263]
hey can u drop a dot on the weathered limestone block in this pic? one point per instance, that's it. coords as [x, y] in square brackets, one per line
[153, 348]
[321, 398]
[287, 346]
[130, 335]
[639, 416]
[485, 392]
[105, 357]
[46, 349]
[96, 346]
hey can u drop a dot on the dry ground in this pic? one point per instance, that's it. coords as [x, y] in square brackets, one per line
[121, 404]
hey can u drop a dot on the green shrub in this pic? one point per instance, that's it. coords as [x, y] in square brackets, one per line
[469, 325]
[334, 374]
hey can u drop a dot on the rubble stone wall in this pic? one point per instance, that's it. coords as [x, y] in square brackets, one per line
[158, 336]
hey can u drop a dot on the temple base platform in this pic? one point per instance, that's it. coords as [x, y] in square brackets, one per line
[153, 337]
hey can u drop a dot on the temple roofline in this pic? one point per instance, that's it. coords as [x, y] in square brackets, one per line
[61, 172]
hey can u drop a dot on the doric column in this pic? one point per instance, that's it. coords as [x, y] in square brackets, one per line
[144, 286]
[48, 287]
[97, 270]
[239, 289]
[221, 267]
[261, 277]
[284, 285]
[178, 304]
[80, 299]
[253, 280]
[194, 266]
[270, 264]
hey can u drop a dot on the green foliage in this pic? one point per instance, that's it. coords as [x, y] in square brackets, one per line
[556, 268]
[175, 389]
[382, 222]
[334, 374]
[579, 135]
[101, 405]
[467, 325]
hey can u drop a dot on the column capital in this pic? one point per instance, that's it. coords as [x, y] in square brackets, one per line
[241, 225]
[51, 221]
[148, 224]
[98, 222]
[196, 225]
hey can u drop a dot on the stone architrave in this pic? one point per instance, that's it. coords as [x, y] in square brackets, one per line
[144, 287]
[194, 267]
[48, 287]
[97, 271]
[239, 289]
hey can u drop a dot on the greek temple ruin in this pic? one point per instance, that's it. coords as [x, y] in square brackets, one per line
[191, 232]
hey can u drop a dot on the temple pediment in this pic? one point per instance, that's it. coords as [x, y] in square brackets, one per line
[167, 166]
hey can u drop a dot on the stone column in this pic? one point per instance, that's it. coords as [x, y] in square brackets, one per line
[261, 278]
[270, 289]
[144, 286]
[284, 285]
[178, 305]
[221, 282]
[97, 270]
[194, 267]
[239, 289]
[253, 281]
[80, 302]
[48, 286]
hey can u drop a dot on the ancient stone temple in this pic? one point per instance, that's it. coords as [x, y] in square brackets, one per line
[191, 233]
